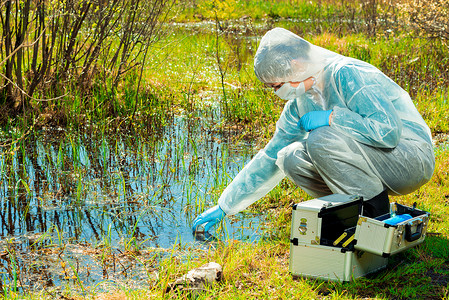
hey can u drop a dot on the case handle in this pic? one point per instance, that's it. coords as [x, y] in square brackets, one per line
[411, 237]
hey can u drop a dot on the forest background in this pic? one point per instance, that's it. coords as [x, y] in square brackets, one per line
[130, 67]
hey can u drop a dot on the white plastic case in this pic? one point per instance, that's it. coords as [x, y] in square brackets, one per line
[332, 263]
[331, 239]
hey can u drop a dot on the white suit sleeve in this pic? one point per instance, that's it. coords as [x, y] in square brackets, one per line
[262, 174]
[369, 116]
[254, 181]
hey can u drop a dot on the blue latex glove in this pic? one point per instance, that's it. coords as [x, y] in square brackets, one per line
[314, 119]
[211, 216]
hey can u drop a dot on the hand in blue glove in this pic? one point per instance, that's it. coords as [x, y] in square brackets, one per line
[314, 119]
[211, 216]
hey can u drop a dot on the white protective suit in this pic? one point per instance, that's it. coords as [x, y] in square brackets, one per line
[377, 139]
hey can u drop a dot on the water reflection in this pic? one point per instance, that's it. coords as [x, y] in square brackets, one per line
[72, 206]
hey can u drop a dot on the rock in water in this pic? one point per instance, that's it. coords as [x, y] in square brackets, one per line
[196, 279]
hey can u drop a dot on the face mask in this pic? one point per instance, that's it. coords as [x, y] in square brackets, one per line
[287, 92]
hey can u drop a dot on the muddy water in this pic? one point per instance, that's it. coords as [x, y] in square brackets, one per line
[80, 209]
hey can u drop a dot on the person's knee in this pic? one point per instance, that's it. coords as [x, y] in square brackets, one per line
[290, 163]
[292, 158]
[325, 145]
[321, 142]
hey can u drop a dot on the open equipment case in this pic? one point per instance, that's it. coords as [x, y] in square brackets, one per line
[343, 237]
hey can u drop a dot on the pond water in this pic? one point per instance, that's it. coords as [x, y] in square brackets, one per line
[81, 209]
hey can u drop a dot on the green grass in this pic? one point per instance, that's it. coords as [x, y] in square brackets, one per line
[195, 11]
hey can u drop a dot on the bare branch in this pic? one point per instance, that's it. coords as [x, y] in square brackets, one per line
[25, 93]
[20, 47]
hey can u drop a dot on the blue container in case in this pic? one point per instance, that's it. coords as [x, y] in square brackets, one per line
[397, 219]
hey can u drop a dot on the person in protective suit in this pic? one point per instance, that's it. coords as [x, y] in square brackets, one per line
[346, 128]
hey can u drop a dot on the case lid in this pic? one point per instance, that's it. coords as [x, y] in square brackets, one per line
[337, 218]
[377, 206]
[328, 203]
